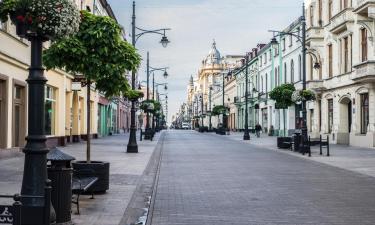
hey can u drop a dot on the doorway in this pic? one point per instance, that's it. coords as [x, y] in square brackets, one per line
[345, 121]
[3, 120]
[19, 126]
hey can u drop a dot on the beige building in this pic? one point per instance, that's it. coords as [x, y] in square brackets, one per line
[65, 115]
[340, 33]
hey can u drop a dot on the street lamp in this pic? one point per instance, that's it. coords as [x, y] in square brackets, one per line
[302, 39]
[149, 133]
[132, 146]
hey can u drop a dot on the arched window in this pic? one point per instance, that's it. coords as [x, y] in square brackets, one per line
[300, 67]
[285, 72]
[292, 71]
[276, 77]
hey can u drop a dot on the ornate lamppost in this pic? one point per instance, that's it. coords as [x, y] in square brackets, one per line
[301, 38]
[132, 146]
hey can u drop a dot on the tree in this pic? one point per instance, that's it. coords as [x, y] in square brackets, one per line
[99, 53]
[283, 97]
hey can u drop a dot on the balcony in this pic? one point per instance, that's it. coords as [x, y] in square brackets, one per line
[339, 23]
[365, 8]
[316, 85]
[314, 33]
[364, 72]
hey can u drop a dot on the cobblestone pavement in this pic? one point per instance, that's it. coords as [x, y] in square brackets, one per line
[352, 158]
[212, 180]
[125, 173]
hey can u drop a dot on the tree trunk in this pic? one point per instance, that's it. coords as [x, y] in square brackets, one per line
[88, 137]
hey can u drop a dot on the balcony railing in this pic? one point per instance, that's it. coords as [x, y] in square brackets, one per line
[340, 21]
[314, 33]
[315, 85]
[365, 72]
[365, 8]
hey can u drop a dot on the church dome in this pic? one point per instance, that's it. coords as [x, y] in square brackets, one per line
[213, 56]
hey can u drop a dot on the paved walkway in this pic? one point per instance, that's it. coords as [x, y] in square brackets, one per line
[356, 159]
[212, 180]
[125, 173]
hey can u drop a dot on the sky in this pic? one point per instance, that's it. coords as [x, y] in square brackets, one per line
[236, 25]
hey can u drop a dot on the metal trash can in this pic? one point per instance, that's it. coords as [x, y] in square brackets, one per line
[297, 142]
[60, 174]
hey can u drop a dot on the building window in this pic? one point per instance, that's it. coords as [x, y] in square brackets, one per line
[285, 72]
[330, 65]
[270, 57]
[346, 55]
[290, 40]
[363, 45]
[50, 110]
[364, 112]
[262, 85]
[300, 67]
[283, 43]
[320, 13]
[330, 115]
[276, 77]
[330, 9]
[311, 15]
[292, 71]
[265, 58]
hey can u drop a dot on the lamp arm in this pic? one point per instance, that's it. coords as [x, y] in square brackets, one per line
[282, 33]
[143, 32]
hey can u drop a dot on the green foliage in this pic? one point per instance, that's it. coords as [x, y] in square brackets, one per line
[98, 52]
[307, 95]
[283, 95]
[133, 95]
[7, 7]
[218, 110]
[151, 106]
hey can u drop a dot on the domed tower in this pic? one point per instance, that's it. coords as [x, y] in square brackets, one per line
[210, 69]
[213, 57]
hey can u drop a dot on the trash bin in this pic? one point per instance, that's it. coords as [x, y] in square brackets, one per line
[297, 141]
[60, 174]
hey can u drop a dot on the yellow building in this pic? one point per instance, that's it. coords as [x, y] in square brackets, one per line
[65, 115]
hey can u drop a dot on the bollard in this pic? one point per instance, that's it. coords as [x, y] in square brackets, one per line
[328, 146]
[320, 145]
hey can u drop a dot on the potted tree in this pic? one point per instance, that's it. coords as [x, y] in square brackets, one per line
[217, 111]
[99, 53]
[282, 95]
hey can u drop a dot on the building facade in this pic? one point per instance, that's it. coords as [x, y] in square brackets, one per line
[65, 107]
[341, 35]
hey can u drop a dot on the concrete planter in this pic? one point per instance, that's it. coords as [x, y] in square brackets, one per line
[98, 169]
[280, 141]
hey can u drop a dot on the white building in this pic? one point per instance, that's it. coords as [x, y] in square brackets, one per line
[341, 34]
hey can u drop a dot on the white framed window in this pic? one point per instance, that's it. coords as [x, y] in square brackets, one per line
[50, 110]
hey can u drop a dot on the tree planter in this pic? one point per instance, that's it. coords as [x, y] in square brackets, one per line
[99, 169]
[280, 141]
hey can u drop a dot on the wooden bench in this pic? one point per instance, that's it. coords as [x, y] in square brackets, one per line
[81, 185]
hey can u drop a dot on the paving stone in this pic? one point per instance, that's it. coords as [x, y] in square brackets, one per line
[211, 179]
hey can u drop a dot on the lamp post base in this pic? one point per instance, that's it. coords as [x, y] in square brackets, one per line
[132, 145]
[246, 136]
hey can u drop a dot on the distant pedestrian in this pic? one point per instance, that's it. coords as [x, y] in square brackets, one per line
[258, 128]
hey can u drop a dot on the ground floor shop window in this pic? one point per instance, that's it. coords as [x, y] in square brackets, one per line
[50, 110]
[364, 113]
[330, 115]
